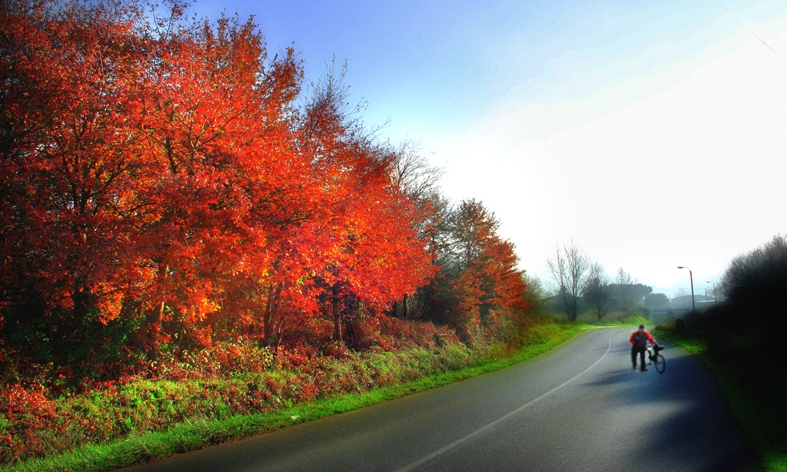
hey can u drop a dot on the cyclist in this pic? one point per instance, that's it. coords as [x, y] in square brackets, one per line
[639, 344]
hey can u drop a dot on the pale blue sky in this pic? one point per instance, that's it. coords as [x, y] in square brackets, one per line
[649, 132]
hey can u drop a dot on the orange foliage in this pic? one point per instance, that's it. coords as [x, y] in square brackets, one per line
[479, 280]
[169, 177]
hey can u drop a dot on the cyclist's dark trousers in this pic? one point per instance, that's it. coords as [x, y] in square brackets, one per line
[641, 351]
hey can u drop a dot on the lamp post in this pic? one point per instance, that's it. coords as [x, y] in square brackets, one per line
[691, 279]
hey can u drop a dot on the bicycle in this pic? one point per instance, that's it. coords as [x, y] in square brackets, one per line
[657, 359]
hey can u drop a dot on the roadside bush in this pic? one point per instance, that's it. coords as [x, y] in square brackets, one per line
[213, 384]
[755, 284]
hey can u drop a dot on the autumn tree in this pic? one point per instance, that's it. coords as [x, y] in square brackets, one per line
[217, 127]
[369, 234]
[165, 183]
[479, 281]
[419, 182]
[160, 173]
[72, 164]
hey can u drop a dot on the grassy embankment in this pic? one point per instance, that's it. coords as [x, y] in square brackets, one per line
[754, 408]
[443, 366]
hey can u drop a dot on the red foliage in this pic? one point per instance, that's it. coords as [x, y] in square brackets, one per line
[480, 280]
[26, 410]
[169, 181]
[168, 207]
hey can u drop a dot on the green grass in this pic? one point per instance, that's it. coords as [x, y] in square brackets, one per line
[610, 319]
[753, 412]
[195, 435]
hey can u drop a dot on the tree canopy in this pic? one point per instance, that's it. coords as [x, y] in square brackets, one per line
[166, 182]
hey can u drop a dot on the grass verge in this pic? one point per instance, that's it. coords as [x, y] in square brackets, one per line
[195, 435]
[753, 412]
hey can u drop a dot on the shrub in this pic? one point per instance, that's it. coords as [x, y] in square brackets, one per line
[213, 384]
[755, 284]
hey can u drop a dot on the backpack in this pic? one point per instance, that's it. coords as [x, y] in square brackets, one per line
[641, 340]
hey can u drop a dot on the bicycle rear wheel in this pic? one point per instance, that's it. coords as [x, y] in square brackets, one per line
[661, 363]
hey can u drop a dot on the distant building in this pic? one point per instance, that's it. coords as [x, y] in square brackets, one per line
[683, 304]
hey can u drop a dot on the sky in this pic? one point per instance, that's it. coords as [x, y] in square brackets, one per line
[650, 134]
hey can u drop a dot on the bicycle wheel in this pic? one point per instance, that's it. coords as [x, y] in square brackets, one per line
[661, 363]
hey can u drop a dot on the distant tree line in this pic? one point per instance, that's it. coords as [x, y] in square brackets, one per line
[580, 284]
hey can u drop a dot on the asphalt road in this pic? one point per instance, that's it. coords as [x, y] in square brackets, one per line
[580, 407]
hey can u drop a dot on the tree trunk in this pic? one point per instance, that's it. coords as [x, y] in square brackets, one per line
[573, 316]
[80, 298]
[154, 320]
[337, 320]
[404, 307]
[271, 317]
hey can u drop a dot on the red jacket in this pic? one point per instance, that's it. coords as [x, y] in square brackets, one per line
[650, 338]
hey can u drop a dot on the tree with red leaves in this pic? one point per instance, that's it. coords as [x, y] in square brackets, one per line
[71, 163]
[479, 282]
[160, 182]
[218, 126]
[373, 252]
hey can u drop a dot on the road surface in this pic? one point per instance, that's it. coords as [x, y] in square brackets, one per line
[579, 407]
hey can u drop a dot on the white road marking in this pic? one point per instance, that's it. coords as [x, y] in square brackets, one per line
[480, 430]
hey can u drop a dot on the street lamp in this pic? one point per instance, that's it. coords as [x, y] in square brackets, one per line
[691, 279]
